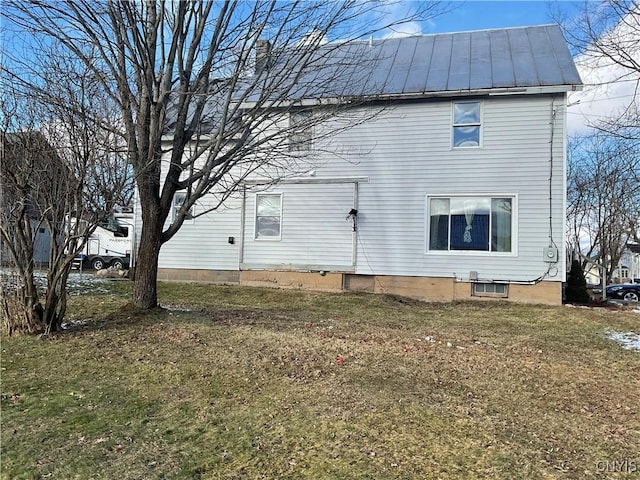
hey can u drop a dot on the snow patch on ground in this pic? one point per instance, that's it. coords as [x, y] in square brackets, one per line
[628, 340]
[78, 283]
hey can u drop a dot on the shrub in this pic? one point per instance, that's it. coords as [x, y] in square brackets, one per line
[576, 291]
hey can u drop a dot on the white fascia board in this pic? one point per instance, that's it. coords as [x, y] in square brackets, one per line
[304, 180]
[533, 90]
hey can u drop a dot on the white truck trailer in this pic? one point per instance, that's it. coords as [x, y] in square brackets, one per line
[110, 245]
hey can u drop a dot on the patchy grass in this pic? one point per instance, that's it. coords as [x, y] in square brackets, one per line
[238, 383]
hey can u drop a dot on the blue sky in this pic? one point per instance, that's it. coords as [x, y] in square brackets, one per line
[594, 102]
[480, 15]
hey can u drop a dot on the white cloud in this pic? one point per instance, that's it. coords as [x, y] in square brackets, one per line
[608, 87]
[405, 30]
[399, 15]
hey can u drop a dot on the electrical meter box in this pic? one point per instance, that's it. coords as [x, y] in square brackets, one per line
[550, 254]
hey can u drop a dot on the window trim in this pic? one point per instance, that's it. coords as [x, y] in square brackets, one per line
[255, 218]
[190, 217]
[479, 124]
[295, 130]
[487, 253]
[475, 293]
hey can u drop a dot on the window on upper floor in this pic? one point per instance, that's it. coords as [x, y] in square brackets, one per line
[268, 216]
[178, 200]
[471, 223]
[466, 124]
[300, 130]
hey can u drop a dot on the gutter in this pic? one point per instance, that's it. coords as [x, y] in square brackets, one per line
[306, 102]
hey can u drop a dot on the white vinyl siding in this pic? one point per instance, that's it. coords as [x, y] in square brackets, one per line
[315, 233]
[204, 244]
[406, 154]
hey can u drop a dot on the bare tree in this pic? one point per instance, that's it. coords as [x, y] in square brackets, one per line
[603, 193]
[61, 173]
[606, 38]
[198, 85]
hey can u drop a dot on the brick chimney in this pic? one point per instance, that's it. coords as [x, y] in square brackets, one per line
[263, 53]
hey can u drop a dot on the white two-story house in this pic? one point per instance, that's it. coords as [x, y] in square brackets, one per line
[454, 189]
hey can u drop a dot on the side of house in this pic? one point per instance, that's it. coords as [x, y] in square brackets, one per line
[445, 195]
[410, 189]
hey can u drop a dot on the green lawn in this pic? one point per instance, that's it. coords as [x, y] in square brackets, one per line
[236, 383]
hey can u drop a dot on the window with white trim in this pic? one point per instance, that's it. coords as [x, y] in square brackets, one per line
[466, 124]
[470, 223]
[301, 131]
[268, 216]
[178, 200]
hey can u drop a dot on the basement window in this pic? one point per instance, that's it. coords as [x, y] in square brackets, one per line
[499, 290]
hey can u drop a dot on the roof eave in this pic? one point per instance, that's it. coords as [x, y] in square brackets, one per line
[313, 102]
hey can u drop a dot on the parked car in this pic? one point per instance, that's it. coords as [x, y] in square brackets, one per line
[629, 292]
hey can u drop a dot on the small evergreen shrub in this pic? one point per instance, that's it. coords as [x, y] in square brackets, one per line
[576, 291]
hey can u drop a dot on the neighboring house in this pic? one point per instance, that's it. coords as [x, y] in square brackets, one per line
[456, 190]
[628, 269]
[20, 149]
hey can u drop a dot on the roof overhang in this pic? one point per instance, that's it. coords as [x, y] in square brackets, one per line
[316, 102]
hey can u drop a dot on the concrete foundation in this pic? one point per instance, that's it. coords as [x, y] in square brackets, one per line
[420, 288]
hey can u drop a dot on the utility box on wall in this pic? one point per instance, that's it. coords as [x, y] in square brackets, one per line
[550, 254]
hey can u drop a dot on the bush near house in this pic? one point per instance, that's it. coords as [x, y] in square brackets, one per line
[576, 291]
[235, 382]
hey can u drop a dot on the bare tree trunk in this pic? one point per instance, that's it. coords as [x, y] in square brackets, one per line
[146, 269]
[185, 72]
[146, 273]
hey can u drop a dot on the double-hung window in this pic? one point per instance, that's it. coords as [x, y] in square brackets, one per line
[300, 130]
[466, 124]
[178, 200]
[268, 216]
[471, 223]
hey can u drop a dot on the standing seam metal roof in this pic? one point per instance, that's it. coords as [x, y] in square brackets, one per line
[535, 56]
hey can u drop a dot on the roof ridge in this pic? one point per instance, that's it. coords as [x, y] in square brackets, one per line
[419, 35]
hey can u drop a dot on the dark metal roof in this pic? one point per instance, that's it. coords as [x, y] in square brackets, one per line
[529, 59]
[426, 65]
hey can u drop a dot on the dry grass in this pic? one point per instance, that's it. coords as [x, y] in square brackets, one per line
[241, 383]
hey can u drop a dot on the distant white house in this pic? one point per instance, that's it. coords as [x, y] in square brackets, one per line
[456, 190]
[628, 269]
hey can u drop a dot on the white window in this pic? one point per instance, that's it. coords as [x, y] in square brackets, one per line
[301, 131]
[490, 290]
[466, 124]
[470, 223]
[178, 200]
[268, 216]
